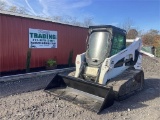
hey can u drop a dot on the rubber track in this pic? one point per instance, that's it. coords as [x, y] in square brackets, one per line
[121, 79]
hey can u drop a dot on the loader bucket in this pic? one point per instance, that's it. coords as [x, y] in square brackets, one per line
[86, 94]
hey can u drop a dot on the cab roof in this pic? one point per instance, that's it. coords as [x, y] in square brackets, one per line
[107, 27]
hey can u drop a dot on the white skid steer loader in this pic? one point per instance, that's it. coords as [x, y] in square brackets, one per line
[107, 71]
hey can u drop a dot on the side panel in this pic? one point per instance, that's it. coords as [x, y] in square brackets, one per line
[108, 69]
[14, 42]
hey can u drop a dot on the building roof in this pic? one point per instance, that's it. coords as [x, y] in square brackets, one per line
[36, 18]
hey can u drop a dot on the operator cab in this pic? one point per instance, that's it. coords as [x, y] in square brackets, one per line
[103, 42]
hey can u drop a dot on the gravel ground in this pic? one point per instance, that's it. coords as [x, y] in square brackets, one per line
[38, 105]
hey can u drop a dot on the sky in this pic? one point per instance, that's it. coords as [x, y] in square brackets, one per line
[144, 14]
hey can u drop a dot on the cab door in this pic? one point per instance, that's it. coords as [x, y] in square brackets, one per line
[118, 43]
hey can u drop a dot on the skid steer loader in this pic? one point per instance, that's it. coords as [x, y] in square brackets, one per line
[106, 72]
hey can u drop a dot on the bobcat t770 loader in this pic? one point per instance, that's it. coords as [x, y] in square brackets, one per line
[105, 72]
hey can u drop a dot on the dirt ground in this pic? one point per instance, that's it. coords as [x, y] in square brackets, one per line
[38, 105]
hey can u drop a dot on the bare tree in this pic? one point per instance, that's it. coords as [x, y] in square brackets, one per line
[68, 19]
[74, 21]
[132, 34]
[13, 9]
[58, 18]
[22, 10]
[153, 32]
[140, 32]
[64, 19]
[88, 21]
[2, 5]
[78, 23]
[127, 25]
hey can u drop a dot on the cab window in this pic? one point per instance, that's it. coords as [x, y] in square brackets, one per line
[118, 44]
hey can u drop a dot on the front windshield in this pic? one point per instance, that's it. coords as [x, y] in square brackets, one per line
[97, 45]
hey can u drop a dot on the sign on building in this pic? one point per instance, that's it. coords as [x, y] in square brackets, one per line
[42, 38]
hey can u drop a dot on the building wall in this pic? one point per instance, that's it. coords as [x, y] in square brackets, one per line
[14, 42]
